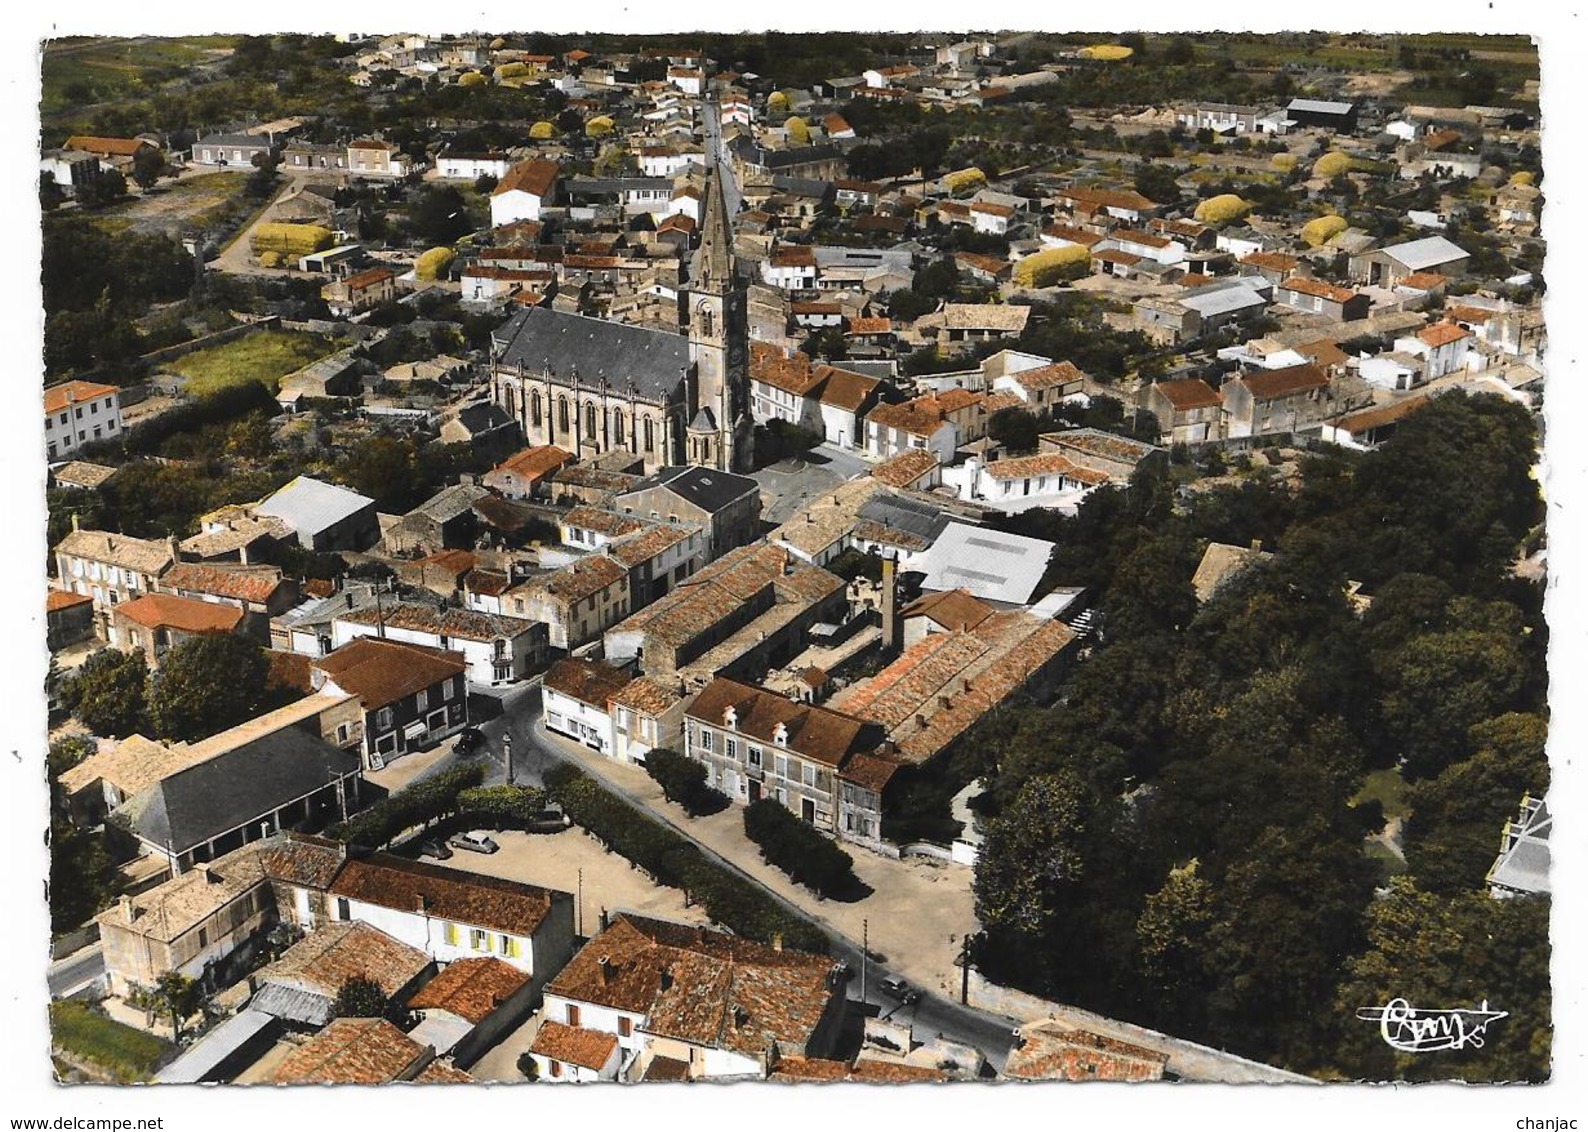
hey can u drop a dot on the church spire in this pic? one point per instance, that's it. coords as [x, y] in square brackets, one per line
[713, 269]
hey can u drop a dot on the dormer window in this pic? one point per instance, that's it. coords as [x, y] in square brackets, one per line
[730, 717]
[780, 735]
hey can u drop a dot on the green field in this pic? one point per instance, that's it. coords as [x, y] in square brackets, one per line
[128, 1054]
[81, 71]
[265, 356]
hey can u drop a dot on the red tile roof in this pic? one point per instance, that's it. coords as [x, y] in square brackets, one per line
[535, 463]
[1189, 393]
[574, 1045]
[1265, 385]
[185, 614]
[535, 177]
[248, 583]
[1319, 288]
[56, 600]
[447, 894]
[588, 681]
[382, 671]
[1442, 334]
[816, 733]
[58, 397]
[471, 988]
[351, 1051]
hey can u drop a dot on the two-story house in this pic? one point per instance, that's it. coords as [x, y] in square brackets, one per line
[155, 623]
[726, 505]
[78, 413]
[576, 603]
[260, 592]
[410, 696]
[575, 701]
[361, 292]
[498, 649]
[684, 1003]
[1276, 400]
[757, 744]
[1189, 410]
[111, 568]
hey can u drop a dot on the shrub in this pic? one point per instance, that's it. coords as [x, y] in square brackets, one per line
[599, 126]
[271, 259]
[434, 263]
[675, 861]
[502, 807]
[799, 133]
[1055, 265]
[542, 131]
[798, 849]
[290, 239]
[1522, 177]
[1283, 162]
[512, 71]
[473, 78]
[417, 805]
[1222, 209]
[1316, 233]
[1107, 52]
[683, 780]
[129, 1054]
[776, 102]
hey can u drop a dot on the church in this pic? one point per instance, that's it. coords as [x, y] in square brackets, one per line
[592, 386]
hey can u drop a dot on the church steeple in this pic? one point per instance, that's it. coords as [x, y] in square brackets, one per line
[720, 432]
[713, 267]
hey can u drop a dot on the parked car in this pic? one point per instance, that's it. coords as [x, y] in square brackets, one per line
[896, 988]
[550, 820]
[470, 741]
[475, 841]
[433, 847]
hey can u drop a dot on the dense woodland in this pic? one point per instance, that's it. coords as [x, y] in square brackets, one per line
[1179, 841]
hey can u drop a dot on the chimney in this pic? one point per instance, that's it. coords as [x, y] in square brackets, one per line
[77, 523]
[350, 599]
[242, 554]
[777, 941]
[920, 720]
[128, 912]
[203, 870]
[1257, 546]
[421, 905]
[605, 963]
[667, 978]
[944, 702]
[892, 628]
[170, 541]
[605, 919]
[341, 850]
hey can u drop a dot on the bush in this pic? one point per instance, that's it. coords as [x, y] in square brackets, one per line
[599, 126]
[542, 131]
[512, 71]
[1107, 52]
[1055, 265]
[271, 259]
[502, 807]
[798, 130]
[473, 79]
[798, 849]
[677, 862]
[434, 263]
[683, 780]
[128, 1054]
[290, 239]
[418, 805]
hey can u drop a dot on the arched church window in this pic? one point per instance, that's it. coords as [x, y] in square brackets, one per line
[509, 400]
[590, 421]
[650, 439]
[617, 426]
[562, 415]
[534, 410]
[704, 310]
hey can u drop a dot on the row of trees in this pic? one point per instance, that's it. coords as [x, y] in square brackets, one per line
[799, 850]
[677, 862]
[205, 684]
[1182, 842]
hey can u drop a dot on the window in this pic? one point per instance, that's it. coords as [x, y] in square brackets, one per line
[341, 732]
[447, 690]
[562, 414]
[755, 756]
[534, 409]
[555, 1067]
[343, 912]
[590, 422]
[730, 747]
[204, 937]
[504, 945]
[625, 1026]
[422, 699]
[650, 444]
[573, 1014]
[617, 427]
[705, 739]
[808, 774]
[79, 412]
[780, 765]
[479, 939]
[383, 719]
[93, 409]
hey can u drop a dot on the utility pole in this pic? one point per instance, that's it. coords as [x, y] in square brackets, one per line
[507, 753]
[865, 951]
[578, 908]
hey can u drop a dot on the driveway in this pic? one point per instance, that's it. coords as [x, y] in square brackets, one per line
[792, 483]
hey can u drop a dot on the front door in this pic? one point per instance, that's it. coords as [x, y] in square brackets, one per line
[808, 810]
[755, 791]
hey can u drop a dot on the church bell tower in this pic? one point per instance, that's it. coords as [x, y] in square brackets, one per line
[720, 433]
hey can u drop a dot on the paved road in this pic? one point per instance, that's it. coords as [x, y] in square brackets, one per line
[76, 971]
[931, 1015]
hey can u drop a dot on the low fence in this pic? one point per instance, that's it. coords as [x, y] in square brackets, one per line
[1188, 1060]
[155, 357]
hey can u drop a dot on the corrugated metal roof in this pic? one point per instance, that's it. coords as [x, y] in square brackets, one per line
[309, 505]
[992, 565]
